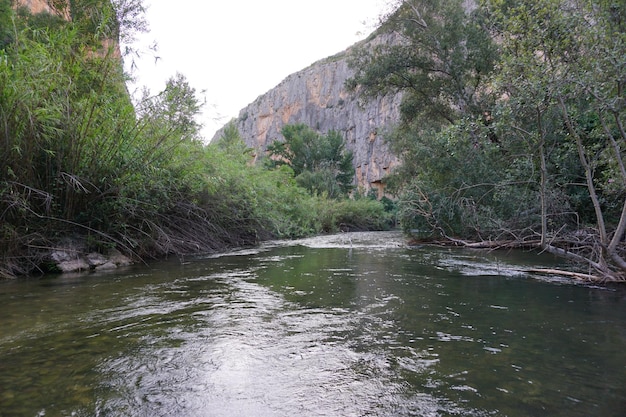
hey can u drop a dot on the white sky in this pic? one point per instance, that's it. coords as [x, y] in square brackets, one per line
[236, 50]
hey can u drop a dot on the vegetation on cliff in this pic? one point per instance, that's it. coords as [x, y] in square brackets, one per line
[512, 130]
[80, 161]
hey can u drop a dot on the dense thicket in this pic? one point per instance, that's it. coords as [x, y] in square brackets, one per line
[512, 129]
[79, 161]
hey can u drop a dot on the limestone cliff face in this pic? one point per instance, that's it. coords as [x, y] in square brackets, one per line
[36, 6]
[317, 97]
[44, 6]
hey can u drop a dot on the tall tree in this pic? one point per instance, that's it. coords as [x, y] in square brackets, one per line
[439, 55]
[534, 150]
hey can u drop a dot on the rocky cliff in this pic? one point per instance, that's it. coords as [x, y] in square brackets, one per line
[36, 6]
[45, 6]
[317, 97]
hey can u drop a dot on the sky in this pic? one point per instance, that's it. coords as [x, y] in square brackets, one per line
[232, 51]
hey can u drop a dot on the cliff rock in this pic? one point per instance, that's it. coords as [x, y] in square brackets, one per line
[317, 97]
[36, 6]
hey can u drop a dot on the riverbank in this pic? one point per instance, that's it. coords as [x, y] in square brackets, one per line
[72, 256]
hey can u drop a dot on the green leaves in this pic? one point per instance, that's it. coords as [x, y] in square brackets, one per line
[438, 54]
[320, 163]
[523, 137]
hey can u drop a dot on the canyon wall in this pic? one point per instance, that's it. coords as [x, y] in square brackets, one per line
[317, 97]
[36, 6]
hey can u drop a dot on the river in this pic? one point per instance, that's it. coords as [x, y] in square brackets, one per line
[347, 325]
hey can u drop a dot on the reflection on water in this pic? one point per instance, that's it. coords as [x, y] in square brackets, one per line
[348, 325]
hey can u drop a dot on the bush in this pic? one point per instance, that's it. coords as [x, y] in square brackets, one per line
[352, 215]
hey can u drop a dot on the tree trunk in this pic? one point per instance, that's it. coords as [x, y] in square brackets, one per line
[544, 180]
[588, 174]
[621, 227]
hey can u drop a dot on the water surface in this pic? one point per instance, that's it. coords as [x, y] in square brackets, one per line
[347, 325]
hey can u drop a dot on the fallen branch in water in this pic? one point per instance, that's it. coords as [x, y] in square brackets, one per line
[569, 274]
[483, 244]
[603, 273]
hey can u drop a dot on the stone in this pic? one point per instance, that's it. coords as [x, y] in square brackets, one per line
[69, 259]
[62, 255]
[95, 259]
[74, 265]
[117, 258]
[106, 266]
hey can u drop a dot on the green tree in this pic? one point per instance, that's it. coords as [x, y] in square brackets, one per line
[439, 55]
[564, 61]
[320, 163]
[232, 143]
[532, 152]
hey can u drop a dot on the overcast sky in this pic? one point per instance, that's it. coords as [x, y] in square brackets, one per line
[236, 50]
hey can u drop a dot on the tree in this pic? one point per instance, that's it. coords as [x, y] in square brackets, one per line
[320, 163]
[564, 60]
[172, 113]
[532, 152]
[439, 55]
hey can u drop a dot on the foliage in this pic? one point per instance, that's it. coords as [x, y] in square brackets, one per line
[439, 60]
[6, 24]
[531, 152]
[80, 161]
[282, 209]
[568, 69]
[352, 215]
[288, 210]
[320, 163]
[231, 142]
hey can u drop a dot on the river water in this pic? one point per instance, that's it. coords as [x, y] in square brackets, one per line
[346, 325]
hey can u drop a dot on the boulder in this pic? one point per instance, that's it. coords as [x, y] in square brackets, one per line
[70, 258]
